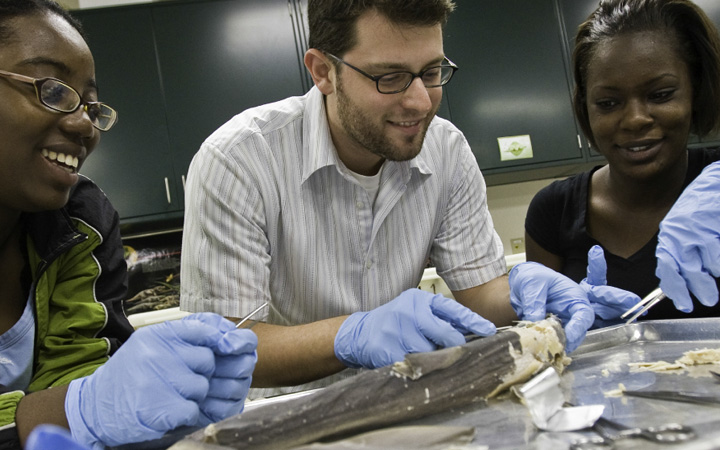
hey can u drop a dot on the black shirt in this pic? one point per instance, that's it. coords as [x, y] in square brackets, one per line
[556, 220]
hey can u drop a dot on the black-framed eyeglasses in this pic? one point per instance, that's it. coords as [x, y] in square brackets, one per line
[394, 82]
[58, 96]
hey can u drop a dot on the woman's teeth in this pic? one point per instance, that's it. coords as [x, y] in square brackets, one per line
[639, 149]
[67, 160]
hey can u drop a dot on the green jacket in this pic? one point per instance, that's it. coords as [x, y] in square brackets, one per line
[77, 279]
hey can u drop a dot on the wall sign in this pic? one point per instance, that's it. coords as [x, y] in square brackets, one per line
[515, 147]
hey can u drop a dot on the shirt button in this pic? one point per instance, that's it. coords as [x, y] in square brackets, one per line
[368, 264]
[359, 204]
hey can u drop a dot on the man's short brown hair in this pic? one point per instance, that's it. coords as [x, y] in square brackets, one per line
[332, 22]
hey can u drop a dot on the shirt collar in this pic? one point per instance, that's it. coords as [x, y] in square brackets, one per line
[319, 150]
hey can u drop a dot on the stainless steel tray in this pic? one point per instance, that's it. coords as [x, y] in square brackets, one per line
[599, 365]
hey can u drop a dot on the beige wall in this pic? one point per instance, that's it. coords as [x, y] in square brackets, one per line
[80, 4]
[508, 205]
[69, 4]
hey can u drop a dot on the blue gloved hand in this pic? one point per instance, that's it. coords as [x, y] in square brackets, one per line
[159, 380]
[688, 250]
[608, 302]
[50, 437]
[536, 290]
[415, 321]
[235, 358]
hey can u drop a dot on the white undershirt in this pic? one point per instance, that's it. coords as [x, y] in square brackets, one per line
[16, 351]
[371, 183]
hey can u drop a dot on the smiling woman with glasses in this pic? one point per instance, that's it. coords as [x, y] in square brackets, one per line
[60, 97]
[66, 345]
[395, 82]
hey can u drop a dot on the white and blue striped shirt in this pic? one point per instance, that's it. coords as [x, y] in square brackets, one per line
[272, 214]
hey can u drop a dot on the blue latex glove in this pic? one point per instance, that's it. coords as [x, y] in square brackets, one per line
[688, 250]
[536, 290]
[50, 437]
[235, 358]
[608, 302]
[415, 321]
[162, 378]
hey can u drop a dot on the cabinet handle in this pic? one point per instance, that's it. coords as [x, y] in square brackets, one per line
[183, 180]
[167, 191]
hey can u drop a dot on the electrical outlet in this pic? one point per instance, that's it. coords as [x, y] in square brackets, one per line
[517, 245]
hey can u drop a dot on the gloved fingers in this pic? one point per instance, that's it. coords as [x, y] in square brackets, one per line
[188, 385]
[582, 317]
[582, 312]
[575, 332]
[703, 286]
[529, 283]
[597, 266]
[216, 409]
[179, 412]
[236, 342]
[194, 332]
[234, 389]
[159, 350]
[235, 366]
[461, 317]
[198, 359]
[704, 244]
[434, 329]
[44, 437]
[214, 320]
[671, 283]
[610, 302]
[166, 374]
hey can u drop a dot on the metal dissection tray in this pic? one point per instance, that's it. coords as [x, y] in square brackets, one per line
[599, 367]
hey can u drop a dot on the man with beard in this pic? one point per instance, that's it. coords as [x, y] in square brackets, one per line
[328, 207]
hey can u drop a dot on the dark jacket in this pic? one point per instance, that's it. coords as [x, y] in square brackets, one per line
[78, 279]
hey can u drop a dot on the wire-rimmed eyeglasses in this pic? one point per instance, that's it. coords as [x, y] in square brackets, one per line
[394, 82]
[58, 96]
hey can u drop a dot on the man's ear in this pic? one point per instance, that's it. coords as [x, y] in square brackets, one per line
[321, 70]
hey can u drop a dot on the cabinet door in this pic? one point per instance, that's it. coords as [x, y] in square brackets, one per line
[218, 58]
[512, 82]
[132, 160]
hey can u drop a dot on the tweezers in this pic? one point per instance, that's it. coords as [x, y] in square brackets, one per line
[646, 303]
[677, 396]
[252, 313]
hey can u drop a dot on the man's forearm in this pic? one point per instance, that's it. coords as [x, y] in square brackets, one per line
[491, 300]
[293, 355]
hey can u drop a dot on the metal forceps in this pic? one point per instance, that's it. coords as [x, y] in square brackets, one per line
[610, 431]
[646, 303]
